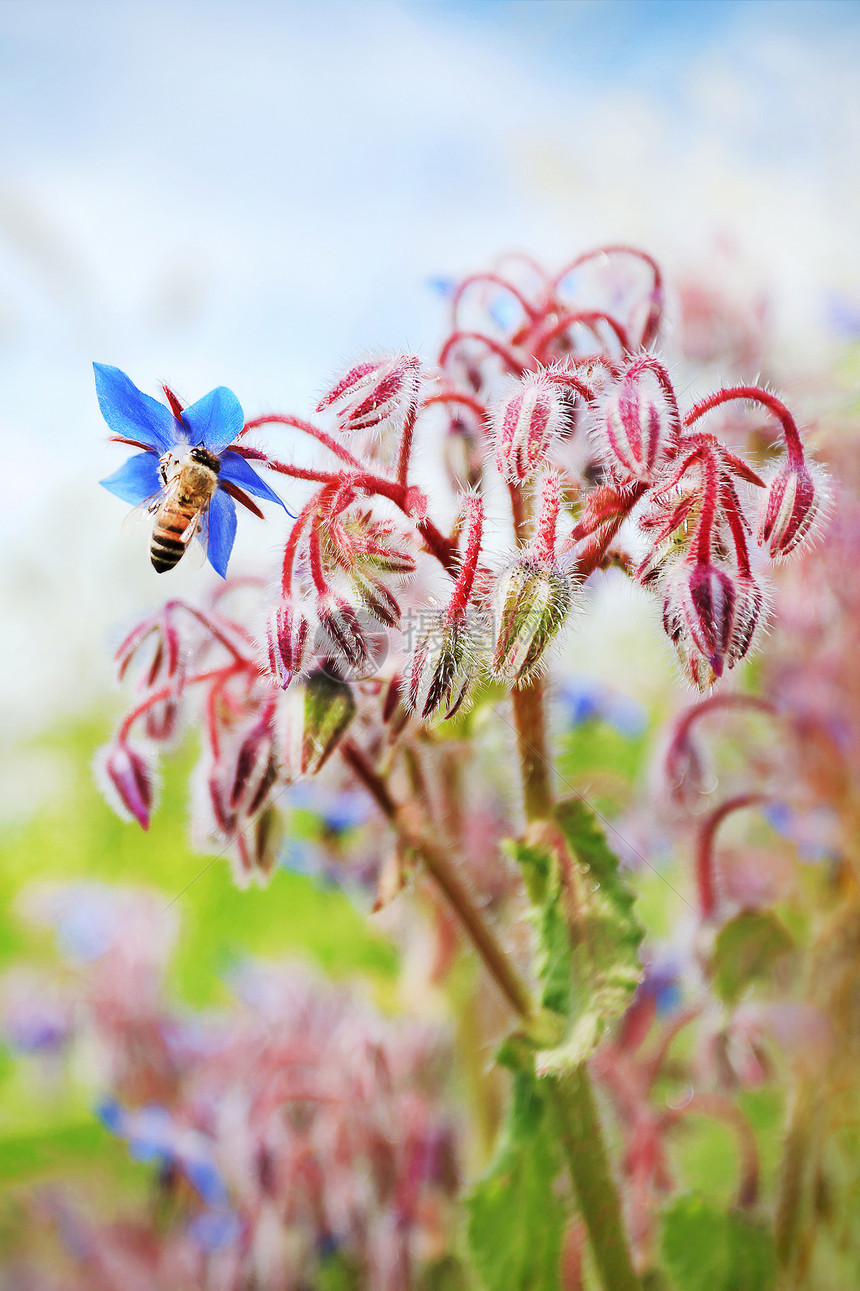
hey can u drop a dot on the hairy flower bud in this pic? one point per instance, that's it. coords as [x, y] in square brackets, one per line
[636, 422]
[256, 848]
[749, 607]
[789, 508]
[699, 607]
[254, 769]
[532, 601]
[341, 625]
[441, 669]
[327, 710]
[375, 392]
[524, 424]
[162, 640]
[378, 548]
[288, 643]
[161, 720]
[128, 779]
[377, 600]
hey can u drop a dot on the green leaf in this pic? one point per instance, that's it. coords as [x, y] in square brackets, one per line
[588, 935]
[515, 1217]
[707, 1249]
[746, 948]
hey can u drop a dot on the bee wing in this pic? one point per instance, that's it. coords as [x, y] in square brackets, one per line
[140, 517]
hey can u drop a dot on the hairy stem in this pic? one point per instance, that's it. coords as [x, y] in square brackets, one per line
[412, 835]
[599, 1203]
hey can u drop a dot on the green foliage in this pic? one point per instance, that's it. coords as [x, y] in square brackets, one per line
[603, 762]
[515, 1217]
[588, 935]
[706, 1249]
[747, 947]
[77, 838]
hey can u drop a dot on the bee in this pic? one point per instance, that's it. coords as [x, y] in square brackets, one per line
[181, 507]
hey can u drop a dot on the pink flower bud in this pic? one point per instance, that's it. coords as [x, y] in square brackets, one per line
[161, 721]
[525, 423]
[441, 669]
[128, 779]
[375, 392]
[790, 506]
[255, 850]
[254, 769]
[699, 616]
[532, 598]
[749, 608]
[288, 643]
[637, 421]
[218, 785]
[161, 639]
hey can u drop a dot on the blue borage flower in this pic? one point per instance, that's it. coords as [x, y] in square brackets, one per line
[213, 422]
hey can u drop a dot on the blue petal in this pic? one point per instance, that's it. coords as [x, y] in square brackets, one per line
[222, 531]
[236, 470]
[215, 420]
[208, 1182]
[112, 1115]
[131, 413]
[138, 479]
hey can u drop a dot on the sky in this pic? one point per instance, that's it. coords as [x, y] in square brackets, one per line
[251, 193]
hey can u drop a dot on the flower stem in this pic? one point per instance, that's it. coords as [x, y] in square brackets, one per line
[407, 823]
[578, 1120]
[599, 1203]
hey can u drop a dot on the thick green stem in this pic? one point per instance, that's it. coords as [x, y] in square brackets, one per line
[582, 1140]
[789, 1203]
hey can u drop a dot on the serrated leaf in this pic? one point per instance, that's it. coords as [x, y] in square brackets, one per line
[707, 1249]
[747, 948]
[588, 935]
[515, 1218]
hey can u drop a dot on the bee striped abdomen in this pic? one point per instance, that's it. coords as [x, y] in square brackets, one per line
[174, 528]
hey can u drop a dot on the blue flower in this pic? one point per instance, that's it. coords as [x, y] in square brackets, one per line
[212, 422]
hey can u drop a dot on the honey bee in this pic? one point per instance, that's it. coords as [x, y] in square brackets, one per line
[181, 507]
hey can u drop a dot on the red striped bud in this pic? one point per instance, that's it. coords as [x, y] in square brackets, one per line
[128, 779]
[161, 720]
[254, 770]
[375, 392]
[442, 667]
[288, 643]
[790, 506]
[749, 607]
[699, 614]
[532, 600]
[637, 421]
[525, 423]
[377, 600]
[341, 625]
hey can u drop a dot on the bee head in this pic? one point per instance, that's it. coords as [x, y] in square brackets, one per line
[203, 457]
